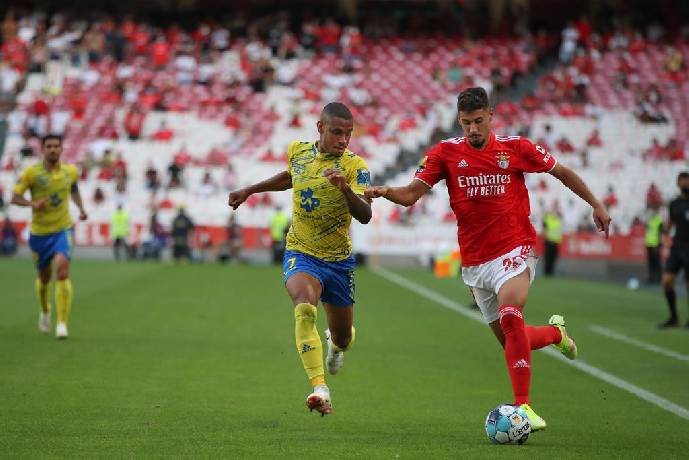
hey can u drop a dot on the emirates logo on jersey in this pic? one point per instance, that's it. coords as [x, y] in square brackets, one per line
[484, 184]
[503, 160]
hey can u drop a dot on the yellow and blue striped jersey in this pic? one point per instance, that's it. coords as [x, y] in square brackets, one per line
[55, 186]
[320, 215]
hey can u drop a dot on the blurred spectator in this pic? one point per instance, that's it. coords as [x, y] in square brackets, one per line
[610, 199]
[568, 46]
[108, 130]
[120, 167]
[163, 133]
[160, 53]
[673, 151]
[308, 36]
[98, 196]
[531, 102]
[134, 122]
[175, 173]
[182, 158]
[653, 197]
[584, 29]
[8, 238]
[594, 139]
[552, 237]
[151, 249]
[107, 170]
[564, 145]
[229, 178]
[119, 231]
[233, 243]
[182, 227]
[2, 197]
[279, 225]
[655, 151]
[549, 139]
[120, 196]
[653, 240]
[673, 63]
[351, 43]
[151, 178]
[647, 112]
[9, 81]
[185, 64]
[217, 157]
[329, 36]
[207, 187]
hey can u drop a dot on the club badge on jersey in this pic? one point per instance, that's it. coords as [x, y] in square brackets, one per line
[503, 160]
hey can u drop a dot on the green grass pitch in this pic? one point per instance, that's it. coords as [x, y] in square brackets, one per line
[199, 361]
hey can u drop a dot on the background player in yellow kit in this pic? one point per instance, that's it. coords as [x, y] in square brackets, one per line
[51, 183]
[328, 182]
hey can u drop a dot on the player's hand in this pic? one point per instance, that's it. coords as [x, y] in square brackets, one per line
[376, 191]
[237, 198]
[336, 178]
[39, 204]
[602, 220]
[83, 215]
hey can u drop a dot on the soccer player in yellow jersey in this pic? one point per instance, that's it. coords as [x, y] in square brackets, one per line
[51, 184]
[328, 183]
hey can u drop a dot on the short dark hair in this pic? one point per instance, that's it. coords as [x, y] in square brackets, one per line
[682, 175]
[472, 99]
[336, 110]
[48, 137]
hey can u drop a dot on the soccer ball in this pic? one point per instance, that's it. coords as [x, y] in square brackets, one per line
[507, 424]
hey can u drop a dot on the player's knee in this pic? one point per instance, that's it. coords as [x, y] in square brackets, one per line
[668, 283]
[62, 271]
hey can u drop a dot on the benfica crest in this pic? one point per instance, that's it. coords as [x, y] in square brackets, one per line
[503, 160]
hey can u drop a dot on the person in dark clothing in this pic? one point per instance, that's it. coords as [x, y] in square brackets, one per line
[552, 238]
[233, 244]
[182, 227]
[678, 216]
[8, 238]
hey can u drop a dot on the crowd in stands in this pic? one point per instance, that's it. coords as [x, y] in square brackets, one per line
[102, 79]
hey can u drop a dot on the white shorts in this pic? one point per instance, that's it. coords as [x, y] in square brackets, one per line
[486, 279]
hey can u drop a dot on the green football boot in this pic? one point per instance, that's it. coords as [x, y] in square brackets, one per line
[567, 345]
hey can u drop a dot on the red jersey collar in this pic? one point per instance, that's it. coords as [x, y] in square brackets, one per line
[486, 147]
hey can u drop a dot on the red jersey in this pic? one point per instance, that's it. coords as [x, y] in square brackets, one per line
[487, 191]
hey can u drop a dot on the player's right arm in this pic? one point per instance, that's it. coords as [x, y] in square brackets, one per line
[277, 183]
[406, 196]
[428, 173]
[22, 186]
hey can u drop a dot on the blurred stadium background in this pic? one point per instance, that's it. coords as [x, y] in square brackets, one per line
[168, 104]
[212, 92]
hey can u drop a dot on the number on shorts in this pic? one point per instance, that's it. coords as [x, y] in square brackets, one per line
[292, 261]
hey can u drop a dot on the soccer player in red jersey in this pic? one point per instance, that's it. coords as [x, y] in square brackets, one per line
[484, 173]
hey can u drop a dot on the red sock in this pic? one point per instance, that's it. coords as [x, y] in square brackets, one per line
[542, 336]
[517, 352]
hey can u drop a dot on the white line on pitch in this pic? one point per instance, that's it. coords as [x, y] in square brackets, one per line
[638, 343]
[582, 366]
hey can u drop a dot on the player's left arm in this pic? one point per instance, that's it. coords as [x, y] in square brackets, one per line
[76, 197]
[359, 206]
[572, 181]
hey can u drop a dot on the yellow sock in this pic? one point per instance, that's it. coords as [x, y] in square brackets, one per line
[349, 345]
[43, 294]
[309, 343]
[63, 299]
